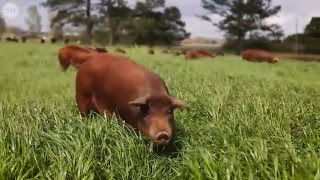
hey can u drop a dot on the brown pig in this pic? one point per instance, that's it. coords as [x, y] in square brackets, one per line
[184, 52]
[191, 55]
[117, 85]
[204, 53]
[196, 54]
[75, 55]
[120, 50]
[151, 51]
[176, 53]
[165, 51]
[256, 55]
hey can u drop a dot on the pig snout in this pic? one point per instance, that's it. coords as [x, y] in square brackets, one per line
[162, 139]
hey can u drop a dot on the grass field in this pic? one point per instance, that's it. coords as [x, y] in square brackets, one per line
[246, 121]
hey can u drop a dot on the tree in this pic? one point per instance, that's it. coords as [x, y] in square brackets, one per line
[56, 28]
[276, 33]
[239, 16]
[150, 25]
[77, 12]
[309, 40]
[143, 29]
[2, 26]
[175, 27]
[114, 14]
[313, 28]
[34, 19]
[57, 31]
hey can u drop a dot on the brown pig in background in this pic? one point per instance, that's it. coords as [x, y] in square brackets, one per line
[257, 55]
[76, 55]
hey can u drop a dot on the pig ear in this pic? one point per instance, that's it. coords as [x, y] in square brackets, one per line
[140, 101]
[177, 103]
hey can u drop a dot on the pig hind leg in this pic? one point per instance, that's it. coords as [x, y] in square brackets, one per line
[101, 107]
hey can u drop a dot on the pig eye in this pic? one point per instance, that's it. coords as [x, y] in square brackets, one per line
[169, 111]
[145, 109]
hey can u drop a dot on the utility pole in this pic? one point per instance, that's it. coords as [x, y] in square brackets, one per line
[296, 37]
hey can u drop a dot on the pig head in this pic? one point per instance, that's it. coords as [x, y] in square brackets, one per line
[156, 117]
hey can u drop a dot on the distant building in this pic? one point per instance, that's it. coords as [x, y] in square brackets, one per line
[202, 41]
[187, 41]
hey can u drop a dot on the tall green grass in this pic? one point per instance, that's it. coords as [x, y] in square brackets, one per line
[247, 121]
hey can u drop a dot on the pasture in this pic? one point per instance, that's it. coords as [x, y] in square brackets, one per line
[246, 121]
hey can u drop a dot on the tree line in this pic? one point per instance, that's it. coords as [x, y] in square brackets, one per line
[146, 22]
[151, 22]
[308, 41]
[241, 19]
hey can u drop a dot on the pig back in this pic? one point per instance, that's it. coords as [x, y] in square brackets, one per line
[116, 80]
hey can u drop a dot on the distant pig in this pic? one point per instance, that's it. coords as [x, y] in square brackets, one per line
[165, 51]
[151, 51]
[204, 53]
[120, 50]
[196, 54]
[259, 56]
[176, 53]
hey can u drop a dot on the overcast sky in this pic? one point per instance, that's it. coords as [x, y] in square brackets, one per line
[292, 10]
